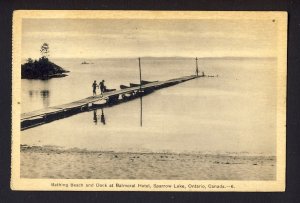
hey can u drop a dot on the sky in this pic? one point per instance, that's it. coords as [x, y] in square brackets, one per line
[110, 38]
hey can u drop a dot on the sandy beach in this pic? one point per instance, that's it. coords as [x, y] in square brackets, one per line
[56, 163]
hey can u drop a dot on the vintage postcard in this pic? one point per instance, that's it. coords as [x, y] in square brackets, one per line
[149, 100]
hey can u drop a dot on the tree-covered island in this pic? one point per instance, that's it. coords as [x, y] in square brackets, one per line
[42, 68]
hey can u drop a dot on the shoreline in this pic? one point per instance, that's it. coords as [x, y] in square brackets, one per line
[57, 163]
[57, 75]
[59, 149]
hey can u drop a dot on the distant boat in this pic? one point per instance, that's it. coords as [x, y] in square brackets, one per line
[84, 62]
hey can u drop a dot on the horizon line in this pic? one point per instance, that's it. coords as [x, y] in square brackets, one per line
[204, 57]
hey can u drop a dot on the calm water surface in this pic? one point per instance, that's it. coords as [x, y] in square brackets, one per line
[235, 112]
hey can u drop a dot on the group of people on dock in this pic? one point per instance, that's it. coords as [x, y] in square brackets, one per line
[101, 86]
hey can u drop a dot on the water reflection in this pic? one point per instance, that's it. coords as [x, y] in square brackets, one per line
[45, 94]
[102, 116]
[95, 117]
[37, 94]
[33, 93]
[141, 115]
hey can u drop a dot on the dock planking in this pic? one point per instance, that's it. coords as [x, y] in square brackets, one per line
[84, 103]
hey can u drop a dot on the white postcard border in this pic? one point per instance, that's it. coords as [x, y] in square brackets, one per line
[18, 183]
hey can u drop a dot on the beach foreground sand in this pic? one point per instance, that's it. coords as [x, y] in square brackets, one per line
[49, 162]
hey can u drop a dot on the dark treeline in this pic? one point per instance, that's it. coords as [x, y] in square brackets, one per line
[41, 69]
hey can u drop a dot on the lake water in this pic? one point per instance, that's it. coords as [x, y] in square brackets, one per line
[232, 113]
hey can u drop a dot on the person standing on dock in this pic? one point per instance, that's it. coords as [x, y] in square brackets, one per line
[94, 85]
[102, 87]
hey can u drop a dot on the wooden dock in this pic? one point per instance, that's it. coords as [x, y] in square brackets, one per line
[39, 117]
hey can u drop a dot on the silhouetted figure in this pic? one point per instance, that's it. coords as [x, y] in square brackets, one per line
[95, 117]
[102, 87]
[102, 117]
[94, 85]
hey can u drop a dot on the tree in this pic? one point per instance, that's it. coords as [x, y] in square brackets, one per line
[29, 60]
[45, 50]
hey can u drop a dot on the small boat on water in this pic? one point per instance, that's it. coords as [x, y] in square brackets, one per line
[109, 90]
[123, 87]
[84, 63]
[144, 82]
[134, 85]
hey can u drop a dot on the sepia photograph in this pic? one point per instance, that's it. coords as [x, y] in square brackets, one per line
[149, 101]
